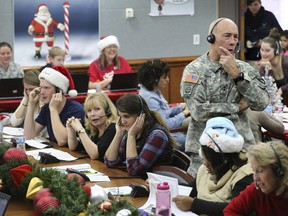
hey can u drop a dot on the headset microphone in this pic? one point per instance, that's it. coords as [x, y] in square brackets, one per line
[238, 47]
[107, 114]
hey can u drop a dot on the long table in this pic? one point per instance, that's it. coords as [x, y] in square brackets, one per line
[25, 208]
[9, 105]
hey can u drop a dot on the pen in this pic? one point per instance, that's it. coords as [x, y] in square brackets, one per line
[89, 172]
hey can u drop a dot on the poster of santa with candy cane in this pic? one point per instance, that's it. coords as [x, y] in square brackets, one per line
[44, 24]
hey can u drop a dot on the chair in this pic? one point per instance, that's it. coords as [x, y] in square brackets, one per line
[180, 160]
[183, 177]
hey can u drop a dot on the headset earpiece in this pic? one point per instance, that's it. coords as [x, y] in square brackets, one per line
[279, 170]
[277, 51]
[211, 37]
[108, 112]
[141, 103]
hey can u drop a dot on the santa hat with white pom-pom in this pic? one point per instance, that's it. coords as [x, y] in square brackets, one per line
[60, 77]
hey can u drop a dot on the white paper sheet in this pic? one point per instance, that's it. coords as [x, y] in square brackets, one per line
[122, 191]
[153, 180]
[35, 144]
[60, 155]
[12, 131]
[92, 174]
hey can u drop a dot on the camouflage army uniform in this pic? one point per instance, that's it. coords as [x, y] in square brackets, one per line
[210, 92]
[14, 71]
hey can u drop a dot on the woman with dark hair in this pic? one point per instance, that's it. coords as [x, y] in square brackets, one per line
[224, 173]
[8, 68]
[141, 140]
[153, 77]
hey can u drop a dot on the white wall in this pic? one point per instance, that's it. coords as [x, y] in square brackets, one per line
[279, 8]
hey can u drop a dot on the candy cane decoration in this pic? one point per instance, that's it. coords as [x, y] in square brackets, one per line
[66, 31]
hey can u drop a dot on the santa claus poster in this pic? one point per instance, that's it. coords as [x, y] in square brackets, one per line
[40, 25]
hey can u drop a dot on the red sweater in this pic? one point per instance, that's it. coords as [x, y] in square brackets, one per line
[97, 72]
[252, 200]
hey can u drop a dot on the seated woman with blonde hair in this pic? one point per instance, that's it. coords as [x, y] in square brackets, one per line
[268, 194]
[99, 129]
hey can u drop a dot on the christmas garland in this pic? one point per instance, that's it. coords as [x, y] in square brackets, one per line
[53, 192]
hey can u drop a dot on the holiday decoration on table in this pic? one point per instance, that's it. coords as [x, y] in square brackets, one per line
[52, 192]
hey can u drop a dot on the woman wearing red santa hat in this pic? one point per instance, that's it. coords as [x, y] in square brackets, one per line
[54, 83]
[109, 62]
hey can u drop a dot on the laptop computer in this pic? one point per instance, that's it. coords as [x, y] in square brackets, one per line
[4, 201]
[81, 82]
[11, 88]
[124, 82]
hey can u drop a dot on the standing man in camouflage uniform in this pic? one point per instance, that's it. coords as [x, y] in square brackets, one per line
[216, 84]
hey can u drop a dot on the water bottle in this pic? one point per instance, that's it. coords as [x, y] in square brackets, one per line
[163, 199]
[1, 132]
[20, 139]
[278, 110]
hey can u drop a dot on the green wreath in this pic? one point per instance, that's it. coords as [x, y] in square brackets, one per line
[73, 199]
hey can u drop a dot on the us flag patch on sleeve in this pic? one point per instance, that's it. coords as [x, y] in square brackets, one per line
[191, 78]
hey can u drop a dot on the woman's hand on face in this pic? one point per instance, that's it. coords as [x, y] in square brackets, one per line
[34, 95]
[265, 64]
[138, 125]
[119, 126]
[184, 203]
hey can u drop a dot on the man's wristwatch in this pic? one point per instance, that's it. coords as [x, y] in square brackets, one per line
[239, 78]
[82, 130]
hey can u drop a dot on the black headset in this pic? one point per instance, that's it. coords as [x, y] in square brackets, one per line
[279, 170]
[277, 51]
[224, 158]
[141, 104]
[211, 37]
[108, 112]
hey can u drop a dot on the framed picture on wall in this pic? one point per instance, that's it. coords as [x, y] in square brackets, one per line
[171, 7]
[72, 25]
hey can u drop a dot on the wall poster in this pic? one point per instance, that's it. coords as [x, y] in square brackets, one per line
[72, 25]
[171, 7]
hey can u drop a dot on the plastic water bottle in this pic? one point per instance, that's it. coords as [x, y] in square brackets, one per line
[20, 139]
[278, 110]
[1, 132]
[163, 199]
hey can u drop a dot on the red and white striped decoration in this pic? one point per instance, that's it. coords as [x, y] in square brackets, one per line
[66, 30]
